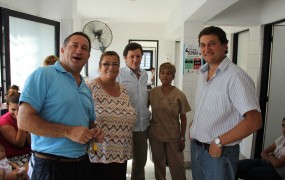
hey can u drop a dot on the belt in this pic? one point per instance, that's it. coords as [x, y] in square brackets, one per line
[59, 158]
[204, 145]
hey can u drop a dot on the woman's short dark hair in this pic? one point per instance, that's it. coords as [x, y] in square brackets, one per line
[132, 46]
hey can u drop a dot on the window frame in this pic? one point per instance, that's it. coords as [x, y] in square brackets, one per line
[5, 42]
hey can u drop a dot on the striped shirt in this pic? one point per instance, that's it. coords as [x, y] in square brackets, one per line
[222, 101]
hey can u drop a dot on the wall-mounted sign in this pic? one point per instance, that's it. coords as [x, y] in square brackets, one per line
[192, 58]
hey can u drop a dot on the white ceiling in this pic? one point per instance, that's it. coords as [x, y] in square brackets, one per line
[140, 11]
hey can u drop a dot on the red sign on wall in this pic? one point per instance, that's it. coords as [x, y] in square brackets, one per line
[197, 63]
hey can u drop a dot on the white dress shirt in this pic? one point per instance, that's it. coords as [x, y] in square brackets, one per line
[137, 90]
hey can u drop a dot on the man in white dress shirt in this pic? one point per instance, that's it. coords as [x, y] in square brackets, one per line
[135, 80]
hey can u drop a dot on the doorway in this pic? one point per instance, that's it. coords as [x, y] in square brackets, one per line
[276, 86]
[272, 85]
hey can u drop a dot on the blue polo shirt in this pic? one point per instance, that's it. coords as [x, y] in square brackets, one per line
[54, 93]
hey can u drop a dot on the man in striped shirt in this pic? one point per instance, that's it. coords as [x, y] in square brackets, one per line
[227, 110]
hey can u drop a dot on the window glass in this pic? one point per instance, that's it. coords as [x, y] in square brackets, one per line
[30, 43]
[146, 62]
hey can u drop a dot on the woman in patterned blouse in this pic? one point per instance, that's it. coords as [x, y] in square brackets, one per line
[116, 117]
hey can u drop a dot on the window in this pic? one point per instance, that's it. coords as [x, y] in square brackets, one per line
[147, 59]
[27, 40]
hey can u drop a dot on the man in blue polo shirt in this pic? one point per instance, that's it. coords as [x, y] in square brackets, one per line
[56, 107]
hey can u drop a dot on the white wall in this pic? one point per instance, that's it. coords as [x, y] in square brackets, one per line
[30, 6]
[272, 11]
[189, 80]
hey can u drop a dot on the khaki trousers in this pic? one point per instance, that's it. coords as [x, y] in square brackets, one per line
[167, 151]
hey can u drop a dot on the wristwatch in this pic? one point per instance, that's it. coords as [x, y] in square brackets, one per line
[217, 141]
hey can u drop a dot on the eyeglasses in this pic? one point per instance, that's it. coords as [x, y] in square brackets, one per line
[110, 64]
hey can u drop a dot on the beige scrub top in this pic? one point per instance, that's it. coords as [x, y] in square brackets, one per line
[166, 110]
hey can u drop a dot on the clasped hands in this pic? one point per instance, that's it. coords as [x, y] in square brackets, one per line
[83, 135]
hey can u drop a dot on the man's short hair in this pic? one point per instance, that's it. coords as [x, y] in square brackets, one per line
[74, 34]
[132, 46]
[217, 31]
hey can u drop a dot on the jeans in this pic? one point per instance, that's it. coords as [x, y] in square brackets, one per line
[205, 167]
[257, 169]
[43, 169]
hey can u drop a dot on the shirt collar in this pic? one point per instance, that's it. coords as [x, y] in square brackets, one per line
[223, 65]
[131, 71]
[59, 67]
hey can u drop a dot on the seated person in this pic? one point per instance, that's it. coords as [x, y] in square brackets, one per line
[15, 141]
[270, 167]
[6, 167]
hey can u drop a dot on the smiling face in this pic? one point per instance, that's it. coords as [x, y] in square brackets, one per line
[133, 59]
[75, 54]
[109, 67]
[213, 51]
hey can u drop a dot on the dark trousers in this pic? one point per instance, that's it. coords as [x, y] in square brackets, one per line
[256, 169]
[44, 169]
[139, 155]
[111, 171]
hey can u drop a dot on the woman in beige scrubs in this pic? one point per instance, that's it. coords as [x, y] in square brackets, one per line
[167, 126]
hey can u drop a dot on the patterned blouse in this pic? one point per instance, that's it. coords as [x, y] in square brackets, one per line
[116, 117]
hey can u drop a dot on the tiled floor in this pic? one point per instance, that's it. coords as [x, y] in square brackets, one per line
[149, 171]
